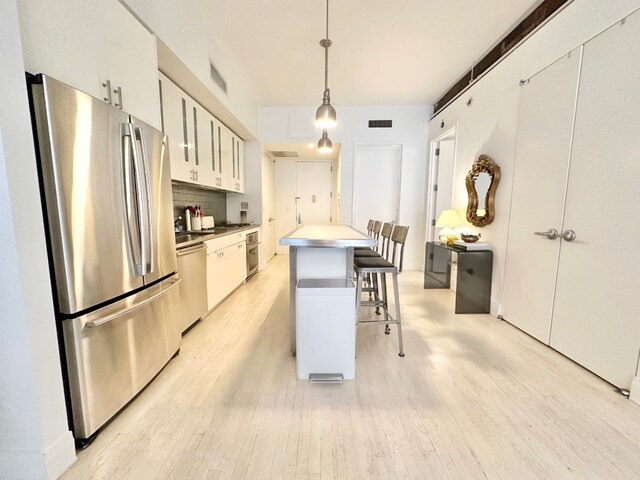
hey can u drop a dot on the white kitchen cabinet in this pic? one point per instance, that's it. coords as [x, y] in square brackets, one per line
[216, 132]
[177, 124]
[96, 47]
[240, 164]
[226, 266]
[188, 126]
[227, 157]
[232, 158]
[575, 172]
[203, 150]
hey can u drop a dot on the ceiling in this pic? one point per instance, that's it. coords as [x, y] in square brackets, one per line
[406, 52]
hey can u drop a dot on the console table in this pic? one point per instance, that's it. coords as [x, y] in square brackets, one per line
[475, 267]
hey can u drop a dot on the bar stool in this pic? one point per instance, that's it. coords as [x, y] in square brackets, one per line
[370, 224]
[378, 265]
[371, 281]
[376, 231]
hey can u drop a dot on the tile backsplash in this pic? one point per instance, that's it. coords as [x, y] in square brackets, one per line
[212, 202]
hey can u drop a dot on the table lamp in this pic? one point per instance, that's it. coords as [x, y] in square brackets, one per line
[448, 220]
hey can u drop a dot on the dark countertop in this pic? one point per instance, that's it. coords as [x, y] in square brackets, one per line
[190, 238]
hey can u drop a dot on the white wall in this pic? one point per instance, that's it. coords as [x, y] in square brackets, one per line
[182, 27]
[409, 129]
[489, 124]
[35, 441]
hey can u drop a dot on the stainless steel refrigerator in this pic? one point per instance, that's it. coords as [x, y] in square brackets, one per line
[106, 186]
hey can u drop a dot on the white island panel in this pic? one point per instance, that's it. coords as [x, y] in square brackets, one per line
[320, 251]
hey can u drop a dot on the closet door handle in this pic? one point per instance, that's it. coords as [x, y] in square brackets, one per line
[551, 234]
[568, 235]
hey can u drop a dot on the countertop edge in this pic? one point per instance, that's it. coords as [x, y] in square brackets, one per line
[204, 237]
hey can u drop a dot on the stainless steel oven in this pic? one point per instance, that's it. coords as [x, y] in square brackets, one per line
[253, 256]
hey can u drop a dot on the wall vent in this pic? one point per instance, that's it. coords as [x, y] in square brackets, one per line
[380, 123]
[217, 77]
[284, 154]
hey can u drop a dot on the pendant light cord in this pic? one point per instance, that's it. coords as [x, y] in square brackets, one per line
[326, 52]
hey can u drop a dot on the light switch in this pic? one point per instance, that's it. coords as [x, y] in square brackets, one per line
[313, 199]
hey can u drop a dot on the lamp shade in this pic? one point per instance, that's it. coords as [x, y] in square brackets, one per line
[449, 219]
[326, 116]
[324, 144]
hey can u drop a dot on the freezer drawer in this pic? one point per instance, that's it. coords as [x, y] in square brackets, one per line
[114, 352]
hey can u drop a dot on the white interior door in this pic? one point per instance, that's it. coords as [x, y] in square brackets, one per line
[376, 184]
[595, 319]
[268, 249]
[285, 195]
[547, 106]
[313, 192]
[442, 188]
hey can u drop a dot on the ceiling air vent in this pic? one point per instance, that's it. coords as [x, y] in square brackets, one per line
[282, 154]
[217, 77]
[380, 123]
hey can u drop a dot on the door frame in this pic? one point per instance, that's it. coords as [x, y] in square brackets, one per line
[355, 171]
[331, 185]
[433, 175]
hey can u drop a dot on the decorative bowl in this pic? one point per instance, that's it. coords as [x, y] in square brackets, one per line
[469, 238]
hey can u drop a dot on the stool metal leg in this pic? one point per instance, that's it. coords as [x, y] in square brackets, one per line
[376, 290]
[385, 301]
[396, 297]
[359, 280]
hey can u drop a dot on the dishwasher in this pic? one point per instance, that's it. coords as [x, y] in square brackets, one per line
[192, 269]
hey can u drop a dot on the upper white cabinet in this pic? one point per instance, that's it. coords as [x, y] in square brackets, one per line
[96, 47]
[203, 150]
[178, 125]
[232, 161]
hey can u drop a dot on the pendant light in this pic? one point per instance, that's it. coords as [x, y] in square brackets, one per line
[324, 144]
[326, 114]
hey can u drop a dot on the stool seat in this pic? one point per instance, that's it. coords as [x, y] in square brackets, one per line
[373, 263]
[365, 253]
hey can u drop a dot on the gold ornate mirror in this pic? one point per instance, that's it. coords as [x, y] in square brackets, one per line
[482, 182]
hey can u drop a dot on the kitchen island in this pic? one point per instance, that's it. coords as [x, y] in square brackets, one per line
[320, 252]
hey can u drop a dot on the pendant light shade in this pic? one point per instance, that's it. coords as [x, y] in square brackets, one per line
[324, 144]
[326, 114]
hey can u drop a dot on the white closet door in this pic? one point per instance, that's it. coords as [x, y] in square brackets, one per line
[596, 315]
[376, 184]
[547, 109]
[313, 193]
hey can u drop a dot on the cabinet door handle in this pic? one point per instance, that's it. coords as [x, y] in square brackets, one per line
[118, 91]
[107, 85]
[568, 235]
[551, 234]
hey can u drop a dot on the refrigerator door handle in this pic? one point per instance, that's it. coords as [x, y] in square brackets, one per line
[132, 197]
[147, 219]
[135, 306]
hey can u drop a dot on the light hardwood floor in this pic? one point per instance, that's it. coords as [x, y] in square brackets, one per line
[473, 398]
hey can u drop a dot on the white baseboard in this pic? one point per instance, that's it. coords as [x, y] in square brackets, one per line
[634, 396]
[494, 308]
[59, 456]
